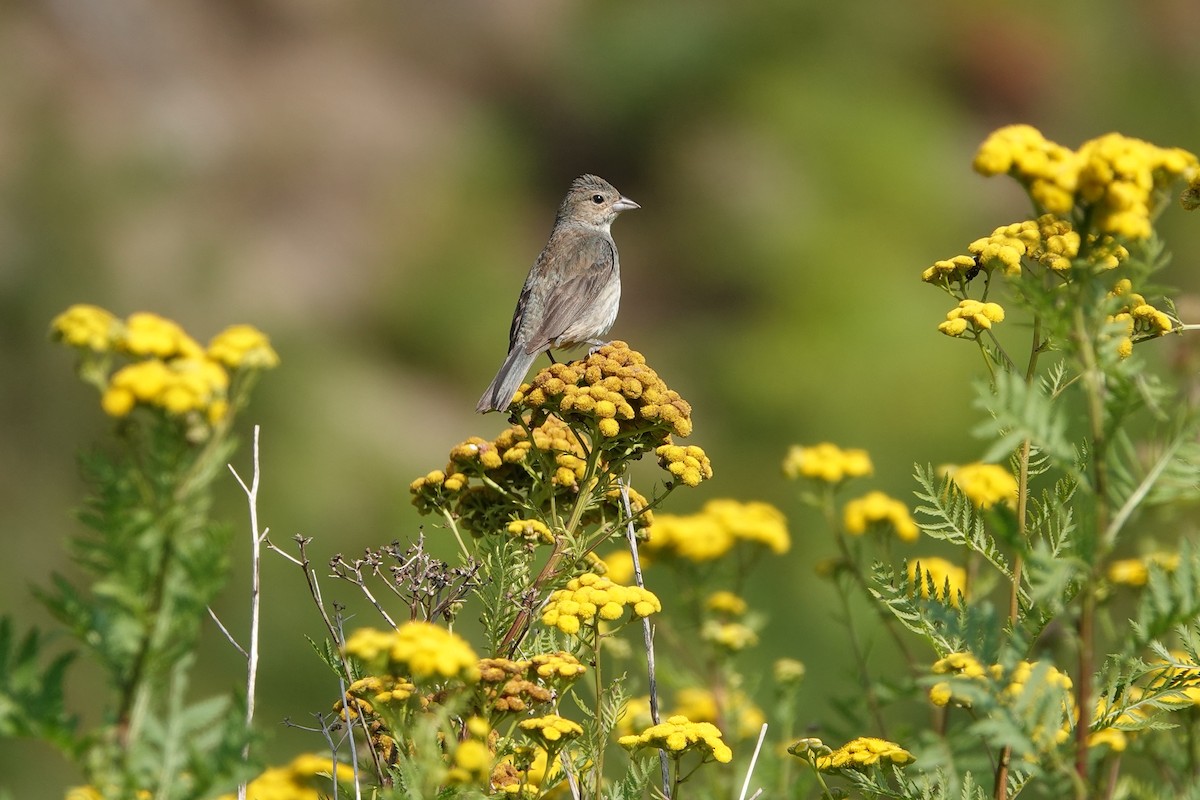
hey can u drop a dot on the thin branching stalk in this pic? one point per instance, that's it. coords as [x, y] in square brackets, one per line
[256, 539]
[647, 634]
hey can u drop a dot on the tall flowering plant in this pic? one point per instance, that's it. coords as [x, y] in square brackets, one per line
[1057, 646]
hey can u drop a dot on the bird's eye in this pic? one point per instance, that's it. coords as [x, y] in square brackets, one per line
[597, 199]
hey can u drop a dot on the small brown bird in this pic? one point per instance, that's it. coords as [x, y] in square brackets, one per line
[573, 289]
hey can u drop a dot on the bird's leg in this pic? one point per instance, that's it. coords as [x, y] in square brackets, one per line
[596, 344]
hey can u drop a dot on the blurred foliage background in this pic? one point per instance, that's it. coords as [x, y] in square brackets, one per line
[368, 182]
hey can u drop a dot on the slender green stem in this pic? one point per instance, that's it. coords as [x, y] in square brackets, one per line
[1094, 390]
[597, 637]
[1000, 786]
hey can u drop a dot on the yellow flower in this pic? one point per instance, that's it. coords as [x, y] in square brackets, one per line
[971, 314]
[876, 508]
[984, 485]
[305, 778]
[1054, 684]
[1006, 246]
[958, 268]
[788, 671]
[1135, 572]
[551, 666]
[243, 347]
[949, 581]
[531, 530]
[551, 729]
[863, 752]
[1049, 170]
[420, 650]
[85, 326]
[618, 566]
[726, 602]
[612, 388]
[1181, 683]
[678, 735]
[826, 462]
[83, 793]
[689, 465]
[695, 537]
[731, 636]
[1112, 738]
[956, 666]
[151, 335]
[372, 691]
[592, 598]
[1120, 178]
[472, 763]
[755, 522]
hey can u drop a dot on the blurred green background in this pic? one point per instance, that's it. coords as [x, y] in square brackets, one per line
[368, 182]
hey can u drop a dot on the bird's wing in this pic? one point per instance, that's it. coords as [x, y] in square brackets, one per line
[587, 270]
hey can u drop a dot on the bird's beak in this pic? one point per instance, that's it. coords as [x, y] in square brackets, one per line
[624, 204]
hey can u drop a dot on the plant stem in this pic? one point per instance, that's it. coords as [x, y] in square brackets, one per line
[1000, 786]
[1094, 390]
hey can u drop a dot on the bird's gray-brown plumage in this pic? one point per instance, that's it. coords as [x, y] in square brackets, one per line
[573, 290]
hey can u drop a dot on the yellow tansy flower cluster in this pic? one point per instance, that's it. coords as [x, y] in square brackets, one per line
[518, 685]
[731, 636]
[678, 735]
[878, 509]
[516, 461]
[365, 694]
[956, 666]
[419, 650]
[971, 314]
[966, 677]
[305, 778]
[87, 326]
[243, 347]
[1120, 178]
[857, 754]
[1049, 170]
[948, 580]
[1135, 572]
[551, 729]
[471, 761]
[590, 598]
[725, 602]
[1139, 317]
[754, 522]
[531, 530]
[1048, 240]
[1115, 178]
[688, 465]
[170, 371]
[788, 671]
[507, 687]
[984, 485]
[826, 462]
[959, 269]
[176, 386]
[717, 528]
[613, 391]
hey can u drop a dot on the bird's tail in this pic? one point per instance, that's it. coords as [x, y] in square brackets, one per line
[498, 396]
